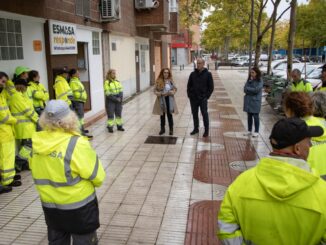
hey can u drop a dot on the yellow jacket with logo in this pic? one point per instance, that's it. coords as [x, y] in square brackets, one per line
[65, 169]
[37, 93]
[62, 90]
[277, 202]
[6, 120]
[317, 153]
[22, 109]
[78, 90]
[302, 86]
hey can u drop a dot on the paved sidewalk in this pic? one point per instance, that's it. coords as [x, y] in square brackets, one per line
[152, 193]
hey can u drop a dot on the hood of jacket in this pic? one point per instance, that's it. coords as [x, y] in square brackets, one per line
[201, 72]
[283, 178]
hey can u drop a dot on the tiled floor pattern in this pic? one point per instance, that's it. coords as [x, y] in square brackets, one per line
[149, 187]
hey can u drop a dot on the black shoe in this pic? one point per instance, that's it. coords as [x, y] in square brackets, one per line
[171, 132]
[205, 134]
[15, 183]
[120, 128]
[86, 131]
[5, 189]
[89, 136]
[17, 177]
[195, 131]
[110, 129]
[162, 131]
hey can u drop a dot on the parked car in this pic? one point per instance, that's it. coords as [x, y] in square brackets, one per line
[264, 57]
[274, 64]
[281, 70]
[282, 66]
[314, 75]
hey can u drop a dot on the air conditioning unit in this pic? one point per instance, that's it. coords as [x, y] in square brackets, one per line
[146, 4]
[110, 10]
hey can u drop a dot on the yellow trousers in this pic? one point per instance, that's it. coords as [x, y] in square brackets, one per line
[7, 162]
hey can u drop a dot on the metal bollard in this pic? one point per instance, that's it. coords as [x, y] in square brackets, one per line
[208, 66]
[180, 68]
[216, 65]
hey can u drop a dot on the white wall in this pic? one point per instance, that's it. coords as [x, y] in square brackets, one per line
[32, 29]
[144, 76]
[182, 56]
[123, 61]
[95, 71]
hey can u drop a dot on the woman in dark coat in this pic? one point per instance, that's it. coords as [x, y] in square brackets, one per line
[252, 100]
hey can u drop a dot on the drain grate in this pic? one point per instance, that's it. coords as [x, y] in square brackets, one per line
[162, 140]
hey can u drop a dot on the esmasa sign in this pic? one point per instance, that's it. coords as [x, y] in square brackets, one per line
[63, 38]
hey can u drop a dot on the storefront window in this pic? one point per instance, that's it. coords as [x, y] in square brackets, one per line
[96, 43]
[11, 41]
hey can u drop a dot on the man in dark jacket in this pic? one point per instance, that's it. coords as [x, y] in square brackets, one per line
[199, 89]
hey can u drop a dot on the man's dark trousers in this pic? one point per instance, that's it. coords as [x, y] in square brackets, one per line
[202, 104]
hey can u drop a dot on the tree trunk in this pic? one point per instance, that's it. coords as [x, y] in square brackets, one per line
[258, 50]
[271, 43]
[251, 33]
[291, 36]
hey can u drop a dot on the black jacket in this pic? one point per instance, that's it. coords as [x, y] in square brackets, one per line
[200, 85]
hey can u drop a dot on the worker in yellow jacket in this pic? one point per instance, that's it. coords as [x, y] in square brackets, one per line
[8, 175]
[66, 170]
[61, 87]
[79, 98]
[299, 84]
[21, 107]
[37, 92]
[113, 101]
[281, 200]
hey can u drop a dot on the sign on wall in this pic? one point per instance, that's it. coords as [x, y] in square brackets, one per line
[63, 39]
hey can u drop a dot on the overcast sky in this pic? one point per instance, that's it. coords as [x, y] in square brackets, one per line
[283, 6]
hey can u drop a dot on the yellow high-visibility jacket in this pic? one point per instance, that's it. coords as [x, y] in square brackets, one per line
[322, 89]
[302, 86]
[113, 87]
[65, 169]
[9, 90]
[37, 93]
[6, 120]
[62, 90]
[78, 90]
[317, 153]
[22, 109]
[280, 201]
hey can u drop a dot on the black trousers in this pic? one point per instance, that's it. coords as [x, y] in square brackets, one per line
[64, 238]
[168, 113]
[255, 117]
[195, 105]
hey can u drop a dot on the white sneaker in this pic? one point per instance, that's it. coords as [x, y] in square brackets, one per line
[255, 135]
[247, 134]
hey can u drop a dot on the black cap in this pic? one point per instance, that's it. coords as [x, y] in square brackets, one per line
[20, 81]
[289, 131]
[62, 70]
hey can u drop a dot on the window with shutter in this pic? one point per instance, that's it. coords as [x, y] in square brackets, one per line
[79, 7]
[11, 40]
[87, 8]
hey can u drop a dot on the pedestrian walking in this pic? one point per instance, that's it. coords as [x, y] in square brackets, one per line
[253, 90]
[66, 170]
[21, 107]
[37, 92]
[8, 175]
[79, 98]
[199, 89]
[279, 198]
[299, 84]
[165, 104]
[61, 86]
[313, 112]
[113, 101]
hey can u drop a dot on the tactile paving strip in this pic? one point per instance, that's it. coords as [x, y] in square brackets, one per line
[202, 223]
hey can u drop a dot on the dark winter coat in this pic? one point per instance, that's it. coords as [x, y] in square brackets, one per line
[252, 100]
[200, 85]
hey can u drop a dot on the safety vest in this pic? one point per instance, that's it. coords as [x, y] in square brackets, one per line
[113, 87]
[37, 93]
[78, 90]
[22, 109]
[302, 86]
[65, 169]
[276, 202]
[62, 90]
[9, 89]
[6, 120]
[317, 152]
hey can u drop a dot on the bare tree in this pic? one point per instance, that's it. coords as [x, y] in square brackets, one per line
[291, 36]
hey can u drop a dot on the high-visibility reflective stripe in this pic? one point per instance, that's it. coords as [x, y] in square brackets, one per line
[6, 179]
[232, 241]
[71, 205]
[57, 184]
[7, 170]
[3, 108]
[94, 174]
[21, 113]
[67, 160]
[228, 227]
[61, 95]
[34, 92]
[4, 120]
[24, 121]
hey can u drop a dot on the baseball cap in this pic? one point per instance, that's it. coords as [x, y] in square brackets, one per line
[21, 69]
[20, 81]
[289, 131]
[57, 109]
